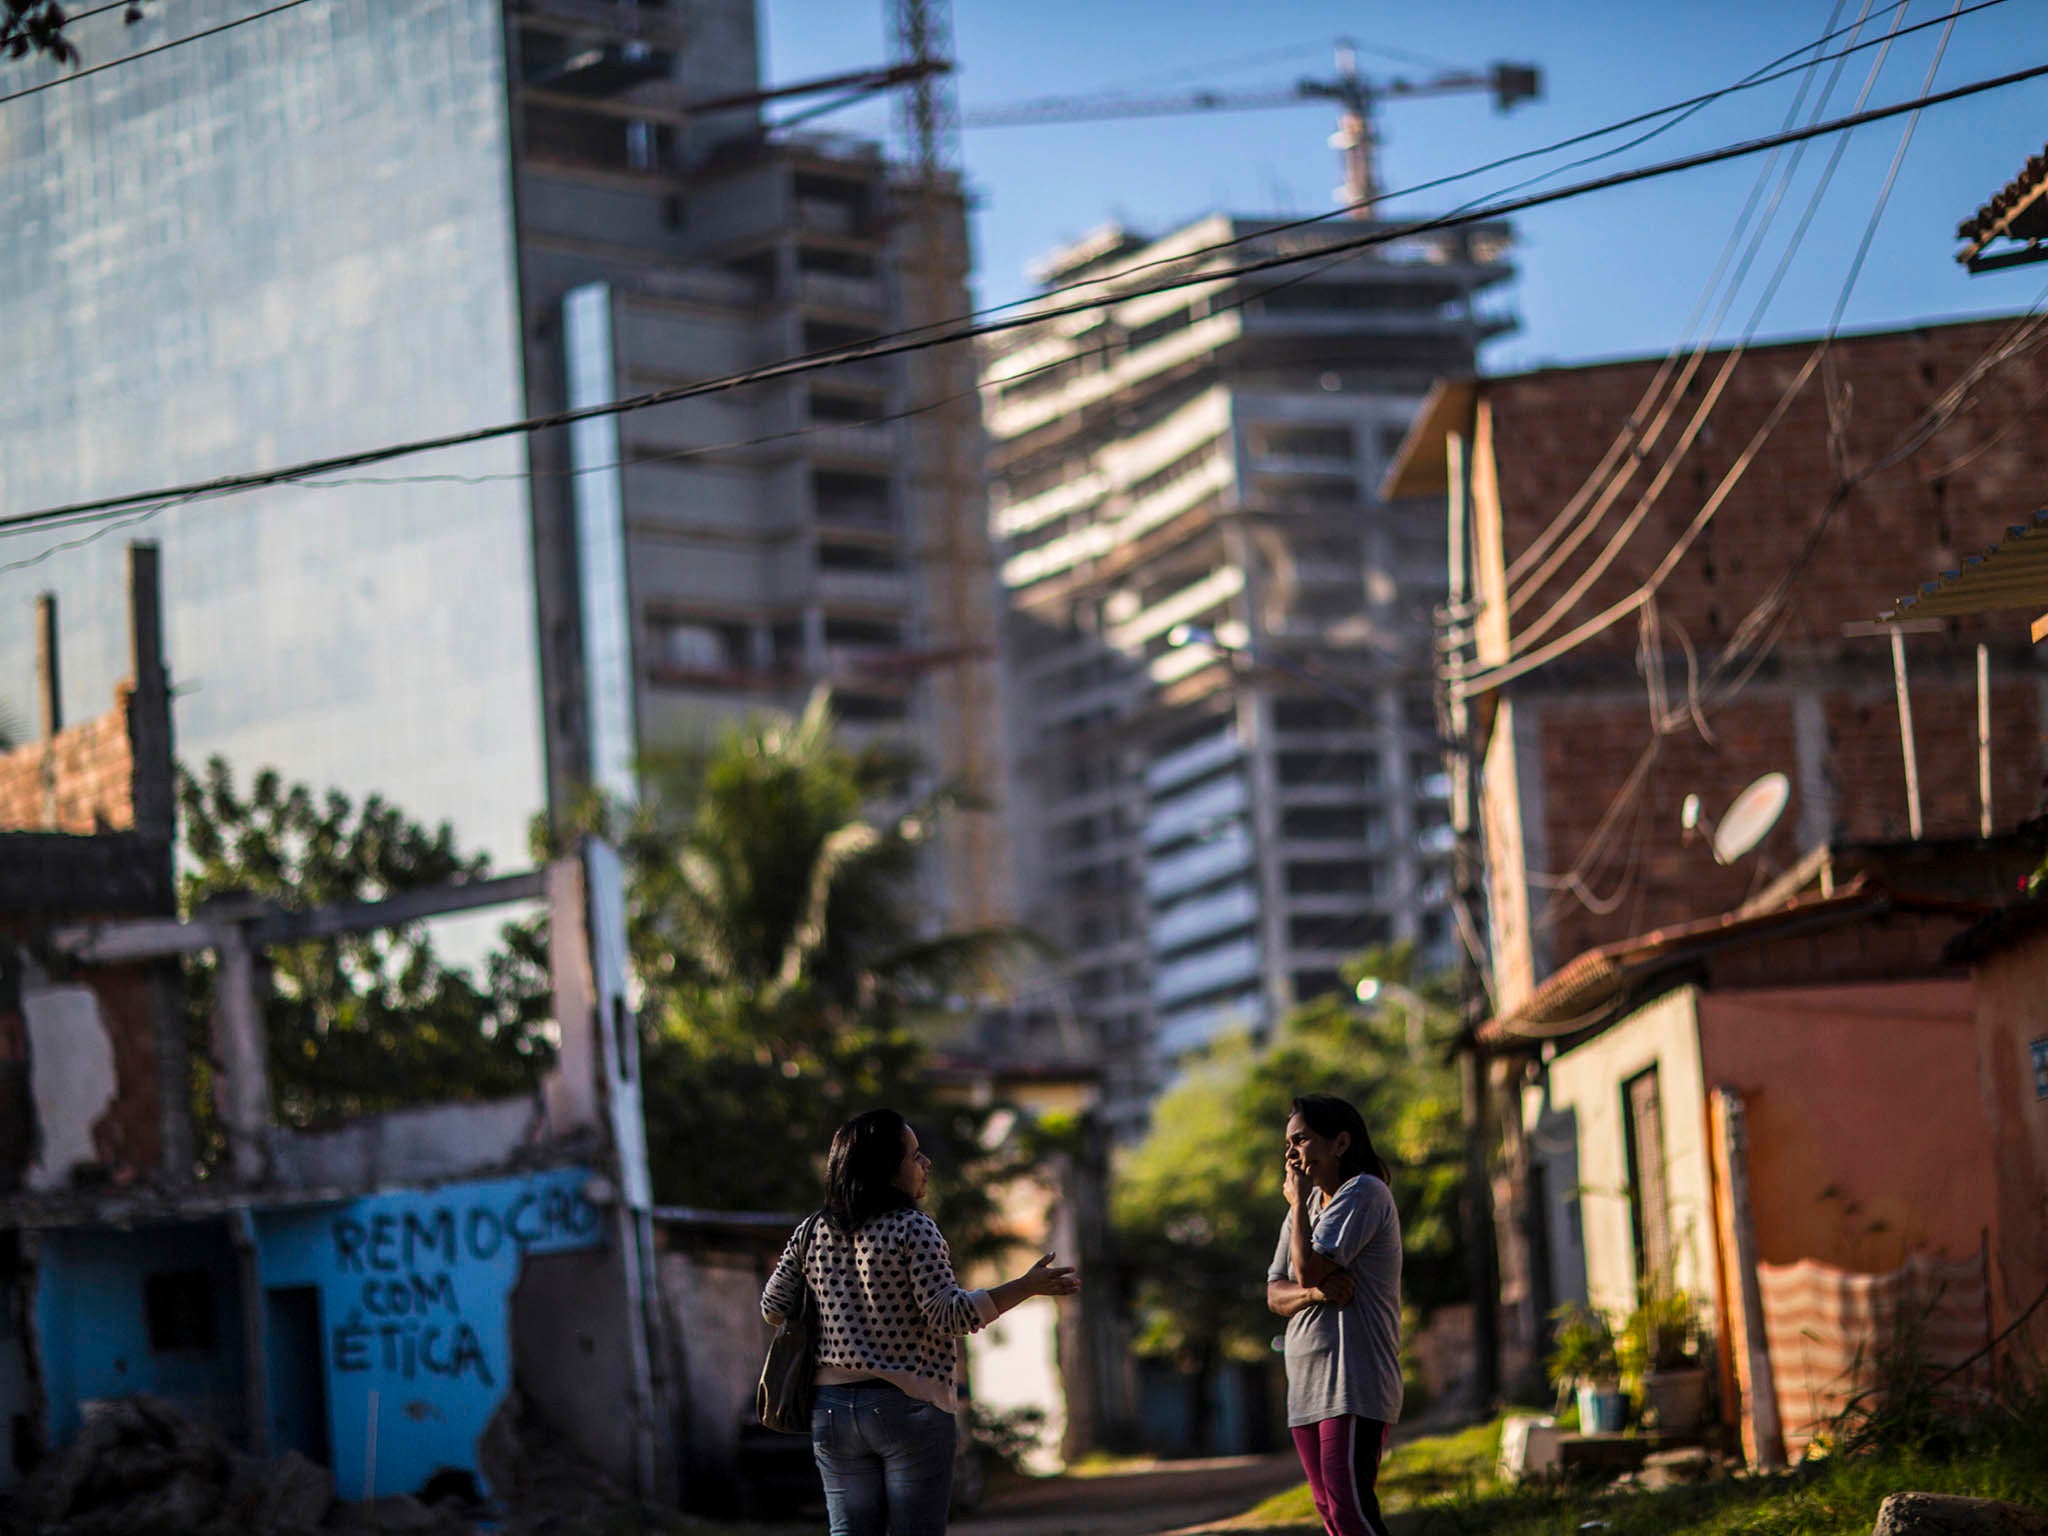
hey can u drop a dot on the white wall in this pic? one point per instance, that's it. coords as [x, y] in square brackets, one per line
[1587, 1082]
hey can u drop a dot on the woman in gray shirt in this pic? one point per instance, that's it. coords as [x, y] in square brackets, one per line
[1336, 1278]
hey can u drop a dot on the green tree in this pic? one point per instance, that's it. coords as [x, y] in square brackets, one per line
[786, 981]
[1198, 1203]
[372, 1021]
[38, 26]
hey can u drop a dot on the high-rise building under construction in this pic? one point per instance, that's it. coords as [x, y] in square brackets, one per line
[335, 228]
[1226, 768]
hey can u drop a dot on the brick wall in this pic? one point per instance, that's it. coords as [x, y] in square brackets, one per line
[127, 1138]
[90, 769]
[1953, 497]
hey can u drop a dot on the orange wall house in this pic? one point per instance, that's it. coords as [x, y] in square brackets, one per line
[1866, 1141]
[2010, 987]
[1819, 1098]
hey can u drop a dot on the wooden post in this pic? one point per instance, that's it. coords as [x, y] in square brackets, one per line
[1906, 734]
[49, 685]
[1763, 1434]
[1983, 739]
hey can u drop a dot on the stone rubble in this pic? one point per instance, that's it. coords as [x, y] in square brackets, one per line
[139, 1467]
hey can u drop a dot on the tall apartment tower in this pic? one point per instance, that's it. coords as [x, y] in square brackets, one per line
[1219, 641]
[736, 550]
[347, 225]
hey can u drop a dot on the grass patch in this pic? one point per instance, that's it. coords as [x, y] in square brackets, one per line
[1444, 1486]
[1110, 1464]
[1416, 1473]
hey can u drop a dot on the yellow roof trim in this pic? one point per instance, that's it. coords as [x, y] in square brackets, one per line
[1418, 468]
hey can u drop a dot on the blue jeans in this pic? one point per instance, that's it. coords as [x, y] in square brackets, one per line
[886, 1459]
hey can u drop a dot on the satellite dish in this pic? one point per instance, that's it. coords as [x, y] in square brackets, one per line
[1755, 811]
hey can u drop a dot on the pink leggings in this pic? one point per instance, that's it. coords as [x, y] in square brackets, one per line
[1342, 1459]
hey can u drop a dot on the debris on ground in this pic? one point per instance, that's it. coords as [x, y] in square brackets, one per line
[140, 1467]
[1940, 1514]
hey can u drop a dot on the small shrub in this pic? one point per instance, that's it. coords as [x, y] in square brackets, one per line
[1581, 1347]
[1007, 1434]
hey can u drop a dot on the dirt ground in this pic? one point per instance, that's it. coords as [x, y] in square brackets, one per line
[1168, 1497]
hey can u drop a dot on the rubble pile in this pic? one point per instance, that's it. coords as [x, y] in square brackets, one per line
[139, 1466]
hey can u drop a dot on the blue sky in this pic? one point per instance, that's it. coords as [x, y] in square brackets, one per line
[1610, 274]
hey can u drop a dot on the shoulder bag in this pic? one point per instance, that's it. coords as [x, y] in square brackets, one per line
[783, 1400]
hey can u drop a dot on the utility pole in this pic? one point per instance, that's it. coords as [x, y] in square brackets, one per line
[1468, 911]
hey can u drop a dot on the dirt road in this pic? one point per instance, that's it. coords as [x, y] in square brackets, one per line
[1167, 1497]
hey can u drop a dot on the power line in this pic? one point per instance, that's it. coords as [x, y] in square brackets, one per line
[1583, 582]
[1530, 660]
[1342, 211]
[71, 18]
[145, 53]
[1758, 632]
[816, 363]
[1684, 108]
[1572, 525]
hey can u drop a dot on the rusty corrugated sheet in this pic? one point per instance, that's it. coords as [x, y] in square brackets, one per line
[2012, 573]
[1830, 1332]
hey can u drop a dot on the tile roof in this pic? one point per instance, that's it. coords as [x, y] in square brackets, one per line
[2018, 210]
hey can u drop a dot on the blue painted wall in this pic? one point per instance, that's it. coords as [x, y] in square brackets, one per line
[93, 1331]
[414, 1291]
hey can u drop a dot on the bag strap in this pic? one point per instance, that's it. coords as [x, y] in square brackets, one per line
[803, 1256]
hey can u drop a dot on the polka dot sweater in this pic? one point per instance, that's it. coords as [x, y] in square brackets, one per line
[887, 1303]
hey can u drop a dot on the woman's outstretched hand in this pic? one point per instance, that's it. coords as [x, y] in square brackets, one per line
[1046, 1278]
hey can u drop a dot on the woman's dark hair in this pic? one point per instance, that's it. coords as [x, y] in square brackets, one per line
[860, 1170]
[1326, 1115]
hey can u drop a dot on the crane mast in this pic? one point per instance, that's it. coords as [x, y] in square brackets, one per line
[951, 538]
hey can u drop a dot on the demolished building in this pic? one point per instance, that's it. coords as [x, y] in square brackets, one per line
[365, 1295]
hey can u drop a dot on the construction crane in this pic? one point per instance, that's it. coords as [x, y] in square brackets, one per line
[1356, 139]
[946, 459]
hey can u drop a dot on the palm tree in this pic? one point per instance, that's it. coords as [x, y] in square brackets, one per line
[781, 956]
[782, 861]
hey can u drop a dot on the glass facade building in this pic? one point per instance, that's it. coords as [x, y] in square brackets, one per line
[292, 240]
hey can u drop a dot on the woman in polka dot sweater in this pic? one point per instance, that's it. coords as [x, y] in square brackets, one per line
[888, 1311]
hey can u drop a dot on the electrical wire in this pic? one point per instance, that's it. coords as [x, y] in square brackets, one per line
[1686, 106]
[145, 53]
[1561, 538]
[1583, 582]
[1348, 210]
[1758, 632]
[1528, 661]
[798, 367]
[1698, 105]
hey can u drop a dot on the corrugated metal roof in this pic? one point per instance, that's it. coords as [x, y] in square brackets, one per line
[2019, 209]
[2011, 574]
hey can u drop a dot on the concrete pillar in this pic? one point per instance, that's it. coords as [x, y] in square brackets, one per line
[242, 1088]
[49, 684]
[153, 787]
